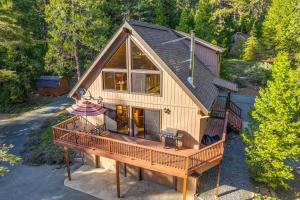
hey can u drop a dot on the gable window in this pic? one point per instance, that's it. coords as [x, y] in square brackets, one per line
[118, 60]
[115, 71]
[145, 75]
[139, 59]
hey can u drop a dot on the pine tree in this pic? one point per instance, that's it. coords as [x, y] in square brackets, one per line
[251, 47]
[77, 30]
[274, 136]
[186, 22]
[202, 20]
[281, 27]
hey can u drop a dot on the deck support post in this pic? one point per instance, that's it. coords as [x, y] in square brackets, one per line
[218, 181]
[175, 182]
[67, 158]
[97, 161]
[125, 169]
[184, 188]
[140, 174]
[118, 178]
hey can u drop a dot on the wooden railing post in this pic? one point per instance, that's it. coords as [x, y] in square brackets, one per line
[110, 147]
[187, 164]
[150, 156]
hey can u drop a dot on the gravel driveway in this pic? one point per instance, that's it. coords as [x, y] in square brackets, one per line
[29, 182]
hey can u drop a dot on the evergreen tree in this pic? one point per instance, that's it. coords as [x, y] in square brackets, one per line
[77, 30]
[203, 25]
[251, 48]
[274, 137]
[160, 13]
[22, 49]
[186, 22]
[166, 13]
[281, 27]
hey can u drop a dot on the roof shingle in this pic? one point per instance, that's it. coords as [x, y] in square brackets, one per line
[176, 56]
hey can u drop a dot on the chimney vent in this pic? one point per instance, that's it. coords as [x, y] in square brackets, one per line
[192, 59]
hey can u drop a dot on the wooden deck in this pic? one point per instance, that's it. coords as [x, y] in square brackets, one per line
[139, 152]
[142, 153]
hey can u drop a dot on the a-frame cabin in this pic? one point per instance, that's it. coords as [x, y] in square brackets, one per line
[142, 79]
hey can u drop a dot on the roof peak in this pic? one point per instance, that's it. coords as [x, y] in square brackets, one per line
[178, 33]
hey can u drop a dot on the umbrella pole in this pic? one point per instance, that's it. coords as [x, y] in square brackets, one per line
[85, 122]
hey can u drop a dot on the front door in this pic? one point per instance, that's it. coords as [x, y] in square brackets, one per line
[146, 123]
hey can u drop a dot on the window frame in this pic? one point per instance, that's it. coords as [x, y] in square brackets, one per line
[114, 71]
[129, 70]
[144, 71]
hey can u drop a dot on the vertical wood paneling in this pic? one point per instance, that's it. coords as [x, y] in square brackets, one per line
[184, 112]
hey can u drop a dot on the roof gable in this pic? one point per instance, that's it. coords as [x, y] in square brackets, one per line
[175, 58]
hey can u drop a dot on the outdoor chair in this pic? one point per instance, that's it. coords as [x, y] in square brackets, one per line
[98, 129]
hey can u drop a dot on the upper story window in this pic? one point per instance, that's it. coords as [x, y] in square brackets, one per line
[139, 59]
[115, 71]
[118, 60]
[145, 75]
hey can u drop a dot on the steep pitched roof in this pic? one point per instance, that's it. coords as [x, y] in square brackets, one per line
[176, 57]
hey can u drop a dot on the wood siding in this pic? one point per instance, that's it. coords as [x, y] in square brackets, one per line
[184, 114]
[208, 56]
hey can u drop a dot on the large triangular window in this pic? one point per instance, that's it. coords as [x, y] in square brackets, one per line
[115, 71]
[118, 60]
[139, 59]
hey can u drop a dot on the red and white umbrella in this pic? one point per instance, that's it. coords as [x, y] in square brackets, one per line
[86, 108]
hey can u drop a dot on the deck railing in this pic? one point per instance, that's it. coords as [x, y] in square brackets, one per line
[147, 154]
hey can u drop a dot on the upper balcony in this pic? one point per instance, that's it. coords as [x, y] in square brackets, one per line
[139, 152]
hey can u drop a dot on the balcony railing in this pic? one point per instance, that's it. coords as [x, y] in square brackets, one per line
[159, 159]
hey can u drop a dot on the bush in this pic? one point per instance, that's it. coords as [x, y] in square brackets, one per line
[259, 73]
[13, 88]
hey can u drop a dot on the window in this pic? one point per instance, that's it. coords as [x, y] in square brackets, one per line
[145, 75]
[115, 81]
[118, 60]
[146, 83]
[115, 71]
[140, 60]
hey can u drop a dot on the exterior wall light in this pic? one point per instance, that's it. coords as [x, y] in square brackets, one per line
[167, 111]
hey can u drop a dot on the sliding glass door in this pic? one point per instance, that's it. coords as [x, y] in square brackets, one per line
[117, 118]
[146, 123]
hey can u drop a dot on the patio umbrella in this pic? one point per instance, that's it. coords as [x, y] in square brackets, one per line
[86, 108]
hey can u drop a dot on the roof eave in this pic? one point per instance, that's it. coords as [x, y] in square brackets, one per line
[203, 42]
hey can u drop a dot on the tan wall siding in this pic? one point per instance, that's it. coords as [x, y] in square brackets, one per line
[209, 57]
[184, 113]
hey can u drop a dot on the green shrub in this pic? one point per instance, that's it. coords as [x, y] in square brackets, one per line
[258, 73]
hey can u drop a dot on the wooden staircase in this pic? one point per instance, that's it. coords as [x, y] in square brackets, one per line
[220, 107]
